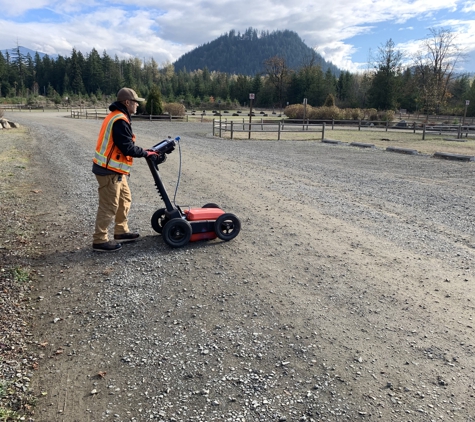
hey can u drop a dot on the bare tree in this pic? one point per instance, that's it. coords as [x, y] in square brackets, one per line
[278, 75]
[435, 66]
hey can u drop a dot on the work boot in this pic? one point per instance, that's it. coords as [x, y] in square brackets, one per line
[106, 247]
[126, 237]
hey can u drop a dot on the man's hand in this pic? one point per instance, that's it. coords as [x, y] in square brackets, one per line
[151, 154]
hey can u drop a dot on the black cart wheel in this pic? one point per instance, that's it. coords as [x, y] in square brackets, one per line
[176, 232]
[159, 220]
[227, 226]
[211, 205]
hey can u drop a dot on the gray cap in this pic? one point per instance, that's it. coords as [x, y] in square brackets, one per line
[128, 94]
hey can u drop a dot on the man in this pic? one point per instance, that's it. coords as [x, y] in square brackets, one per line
[112, 162]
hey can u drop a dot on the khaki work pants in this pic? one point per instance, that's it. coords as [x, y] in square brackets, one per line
[114, 205]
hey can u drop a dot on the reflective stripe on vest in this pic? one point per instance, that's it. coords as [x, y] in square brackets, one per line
[105, 147]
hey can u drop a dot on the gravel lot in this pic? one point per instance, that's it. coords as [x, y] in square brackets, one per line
[348, 295]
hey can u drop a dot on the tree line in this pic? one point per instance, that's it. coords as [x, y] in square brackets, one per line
[428, 83]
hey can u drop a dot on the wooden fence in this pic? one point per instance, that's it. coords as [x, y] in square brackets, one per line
[277, 126]
[82, 113]
[294, 125]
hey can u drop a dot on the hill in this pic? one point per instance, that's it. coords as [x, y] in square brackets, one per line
[245, 53]
[25, 51]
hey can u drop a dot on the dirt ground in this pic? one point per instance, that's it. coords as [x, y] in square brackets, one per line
[348, 295]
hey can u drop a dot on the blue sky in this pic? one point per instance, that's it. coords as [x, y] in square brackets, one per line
[345, 32]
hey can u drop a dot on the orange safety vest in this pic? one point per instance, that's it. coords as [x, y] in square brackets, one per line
[107, 154]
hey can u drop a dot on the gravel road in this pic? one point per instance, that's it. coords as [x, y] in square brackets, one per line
[348, 295]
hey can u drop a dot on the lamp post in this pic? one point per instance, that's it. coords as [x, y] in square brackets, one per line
[304, 112]
[467, 103]
[251, 97]
[219, 105]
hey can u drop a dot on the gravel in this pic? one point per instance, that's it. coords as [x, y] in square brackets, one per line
[348, 295]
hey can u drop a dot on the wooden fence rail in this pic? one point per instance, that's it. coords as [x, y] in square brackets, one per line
[295, 125]
[78, 113]
[278, 127]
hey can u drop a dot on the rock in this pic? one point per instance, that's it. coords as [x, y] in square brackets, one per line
[6, 124]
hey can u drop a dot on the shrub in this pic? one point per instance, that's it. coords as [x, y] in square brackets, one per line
[371, 114]
[352, 113]
[329, 101]
[296, 111]
[326, 113]
[387, 116]
[174, 109]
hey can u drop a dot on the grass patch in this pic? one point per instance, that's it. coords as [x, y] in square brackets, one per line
[5, 414]
[378, 137]
[20, 275]
[382, 139]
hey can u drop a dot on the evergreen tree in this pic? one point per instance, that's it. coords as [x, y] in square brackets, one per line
[75, 72]
[93, 75]
[471, 98]
[383, 94]
[4, 85]
[154, 101]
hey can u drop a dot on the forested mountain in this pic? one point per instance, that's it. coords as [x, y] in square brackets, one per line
[276, 67]
[245, 54]
[25, 51]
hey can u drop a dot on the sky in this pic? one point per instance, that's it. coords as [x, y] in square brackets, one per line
[347, 33]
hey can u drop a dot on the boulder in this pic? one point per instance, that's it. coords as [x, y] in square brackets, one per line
[5, 124]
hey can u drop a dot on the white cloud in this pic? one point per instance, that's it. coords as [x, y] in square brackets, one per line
[166, 29]
[468, 6]
[16, 8]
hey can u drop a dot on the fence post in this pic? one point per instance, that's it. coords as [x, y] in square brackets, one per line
[213, 126]
[262, 123]
[278, 131]
[232, 129]
[323, 131]
[387, 125]
[414, 125]
[359, 124]
[423, 131]
[333, 124]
